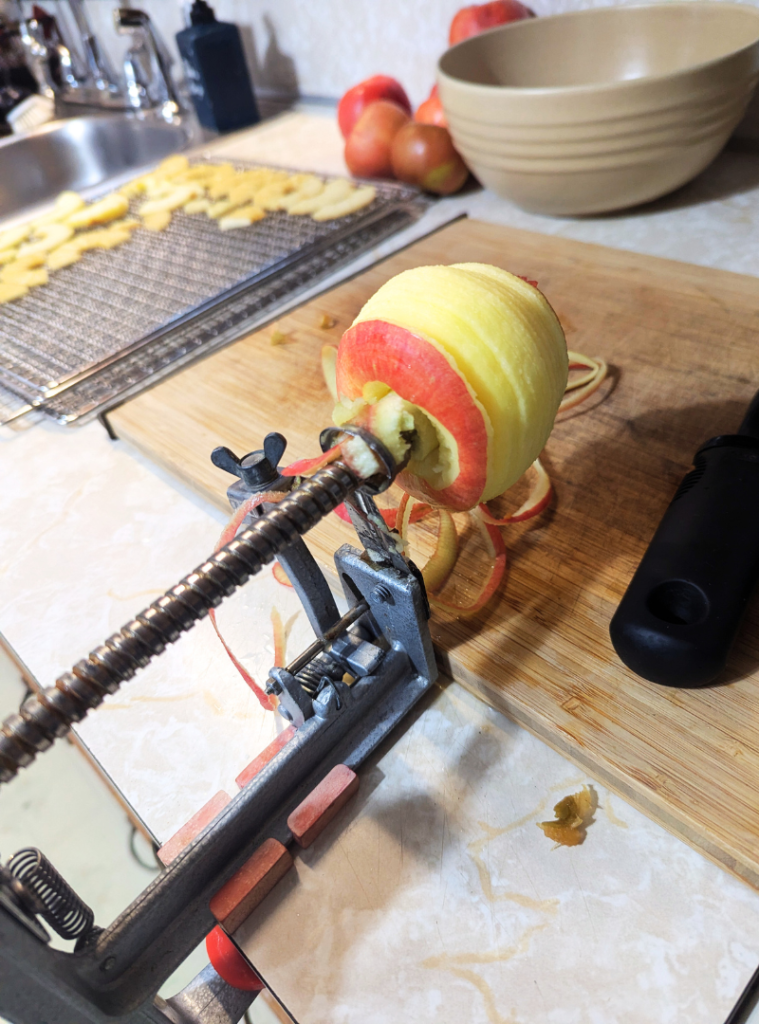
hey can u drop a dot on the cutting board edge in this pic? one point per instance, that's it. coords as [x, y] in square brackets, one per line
[638, 796]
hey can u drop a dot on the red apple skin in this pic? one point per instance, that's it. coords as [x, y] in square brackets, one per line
[419, 372]
[367, 151]
[470, 21]
[424, 155]
[358, 98]
[431, 111]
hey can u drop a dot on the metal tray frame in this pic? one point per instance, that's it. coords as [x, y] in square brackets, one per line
[83, 391]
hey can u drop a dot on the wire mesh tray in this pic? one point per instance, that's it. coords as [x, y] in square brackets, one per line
[102, 328]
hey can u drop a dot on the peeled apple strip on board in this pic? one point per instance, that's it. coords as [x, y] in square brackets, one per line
[467, 364]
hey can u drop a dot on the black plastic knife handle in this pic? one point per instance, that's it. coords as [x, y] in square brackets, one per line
[679, 617]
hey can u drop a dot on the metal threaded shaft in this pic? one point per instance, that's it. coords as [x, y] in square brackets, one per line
[49, 714]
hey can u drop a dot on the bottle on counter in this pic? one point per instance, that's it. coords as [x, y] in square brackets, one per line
[216, 70]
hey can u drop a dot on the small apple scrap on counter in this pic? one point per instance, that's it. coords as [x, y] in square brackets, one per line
[234, 199]
[573, 814]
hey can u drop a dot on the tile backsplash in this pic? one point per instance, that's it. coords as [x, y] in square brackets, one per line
[319, 49]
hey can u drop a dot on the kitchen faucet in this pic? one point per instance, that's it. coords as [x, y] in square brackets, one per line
[147, 65]
[46, 48]
[99, 69]
[146, 73]
[38, 55]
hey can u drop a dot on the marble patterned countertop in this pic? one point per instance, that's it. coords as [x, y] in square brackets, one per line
[642, 928]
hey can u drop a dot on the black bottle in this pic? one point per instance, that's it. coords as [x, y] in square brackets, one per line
[217, 75]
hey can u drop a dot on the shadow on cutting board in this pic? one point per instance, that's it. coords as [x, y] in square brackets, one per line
[568, 569]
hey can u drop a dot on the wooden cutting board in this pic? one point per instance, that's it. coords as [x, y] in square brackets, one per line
[683, 344]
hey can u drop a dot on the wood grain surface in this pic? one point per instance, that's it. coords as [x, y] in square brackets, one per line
[683, 344]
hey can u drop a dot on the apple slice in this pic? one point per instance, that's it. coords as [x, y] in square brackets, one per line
[460, 370]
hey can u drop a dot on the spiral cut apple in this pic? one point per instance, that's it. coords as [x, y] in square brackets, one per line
[460, 371]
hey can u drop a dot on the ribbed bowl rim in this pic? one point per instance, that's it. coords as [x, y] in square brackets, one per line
[624, 85]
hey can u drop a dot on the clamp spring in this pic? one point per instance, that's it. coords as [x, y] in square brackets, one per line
[311, 675]
[57, 902]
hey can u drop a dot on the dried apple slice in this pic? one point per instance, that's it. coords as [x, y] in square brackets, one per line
[461, 369]
[219, 208]
[171, 165]
[29, 277]
[159, 220]
[12, 290]
[14, 236]
[178, 196]
[197, 206]
[46, 237]
[270, 196]
[356, 201]
[65, 256]
[28, 262]
[308, 189]
[242, 217]
[66, 204]
[334, 192]
[110, 208]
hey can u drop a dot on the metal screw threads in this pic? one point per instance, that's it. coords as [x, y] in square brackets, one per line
[51, 712]
[58, 904]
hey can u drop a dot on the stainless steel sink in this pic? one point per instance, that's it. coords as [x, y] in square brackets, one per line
[79, 153]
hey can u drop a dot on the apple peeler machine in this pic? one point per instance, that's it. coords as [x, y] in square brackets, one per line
[341, 697]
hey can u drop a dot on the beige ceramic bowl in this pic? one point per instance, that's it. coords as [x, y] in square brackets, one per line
[600, 109]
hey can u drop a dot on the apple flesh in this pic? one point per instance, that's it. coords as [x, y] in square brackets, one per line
[470, 21]
[358, 98]
[461, 370]
[369, 145]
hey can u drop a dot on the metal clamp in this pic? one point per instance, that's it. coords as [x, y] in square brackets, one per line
[345, 693]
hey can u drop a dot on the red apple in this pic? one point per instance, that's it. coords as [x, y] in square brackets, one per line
[470, 21]
[367, 151]
[431, 111]
[358, 98]
[423, 155]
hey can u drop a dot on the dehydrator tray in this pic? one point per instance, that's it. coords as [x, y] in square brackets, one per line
[115, 321]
